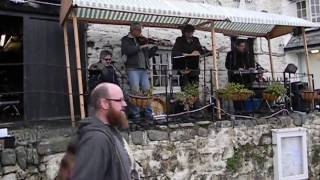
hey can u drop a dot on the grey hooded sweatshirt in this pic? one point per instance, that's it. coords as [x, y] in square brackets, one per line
[100, 154]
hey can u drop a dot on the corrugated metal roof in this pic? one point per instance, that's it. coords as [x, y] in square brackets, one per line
[158, 7]
[296, 42]
[168, 13]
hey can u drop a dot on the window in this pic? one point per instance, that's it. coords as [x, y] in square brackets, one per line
[301, 9]
[315, 10]
[161, 76]
[11, 68]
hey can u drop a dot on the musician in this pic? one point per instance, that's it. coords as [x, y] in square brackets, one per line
[102, 71]
[239, 60]
[189, 48]
[137, 52]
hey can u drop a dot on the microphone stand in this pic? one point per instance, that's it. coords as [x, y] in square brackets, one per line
[122, 76]
[205, 54]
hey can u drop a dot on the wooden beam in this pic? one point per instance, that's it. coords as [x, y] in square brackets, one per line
[307, 58]
[79, 69]
[271, 61]
[280, 31]
[66, 47]
[64, 10]
[215, 66]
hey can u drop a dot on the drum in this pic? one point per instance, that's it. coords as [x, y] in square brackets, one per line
[158, 106]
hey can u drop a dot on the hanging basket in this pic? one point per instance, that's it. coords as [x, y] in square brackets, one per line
[140, 101]
[308, 95]
[241, 96]
[269, 97]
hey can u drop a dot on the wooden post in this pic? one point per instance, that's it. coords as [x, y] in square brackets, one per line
[310, 82]
[79, 69]
[215, 66]
[307, 58]
[66, 47]
[271, 61]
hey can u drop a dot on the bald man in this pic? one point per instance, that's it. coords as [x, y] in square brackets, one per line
[101, 153]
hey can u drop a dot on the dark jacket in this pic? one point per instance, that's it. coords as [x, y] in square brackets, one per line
[236, 60]
[98, 73]
[183, 46]
[100, 153]
[133, 52]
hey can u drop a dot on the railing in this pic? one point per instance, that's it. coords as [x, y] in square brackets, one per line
[251, 108]
[169, 85]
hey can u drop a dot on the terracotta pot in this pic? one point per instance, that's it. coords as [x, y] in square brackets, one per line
[193, 99]
[317, 95]
[308, 95]
[269, 97]
[241, 97]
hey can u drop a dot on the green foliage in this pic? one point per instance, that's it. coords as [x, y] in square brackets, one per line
[188, 96]
[143, 93]
[235, 162]
[315, 154]
[276, 89]
[247, 152]
[190, 90]
[234, 89]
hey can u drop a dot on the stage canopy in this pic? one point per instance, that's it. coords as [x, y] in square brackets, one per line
[173, 14]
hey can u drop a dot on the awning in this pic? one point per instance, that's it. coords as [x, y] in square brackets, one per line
[173, 14]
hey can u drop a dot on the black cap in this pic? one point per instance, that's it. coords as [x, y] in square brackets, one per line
[188, 28]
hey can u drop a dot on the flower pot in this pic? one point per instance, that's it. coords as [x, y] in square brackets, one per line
[192, 100]
[308, 95]
[317, 95]
[241, 97]
[140, 101]
[269, 97]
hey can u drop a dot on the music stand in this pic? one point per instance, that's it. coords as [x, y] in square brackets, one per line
[183, 62]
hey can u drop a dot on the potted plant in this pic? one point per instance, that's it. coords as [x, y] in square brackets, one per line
[141, 99]
[188, 96]
[235, 92]
[273, 92]
[308, 95]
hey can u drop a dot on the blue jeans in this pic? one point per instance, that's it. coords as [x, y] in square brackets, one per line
[139, 78]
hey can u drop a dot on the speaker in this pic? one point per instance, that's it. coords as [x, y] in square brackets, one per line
[298, 104]
[291, 68]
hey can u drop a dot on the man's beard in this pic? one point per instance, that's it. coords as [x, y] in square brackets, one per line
[117, 118]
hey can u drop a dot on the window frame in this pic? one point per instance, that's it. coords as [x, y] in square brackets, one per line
[162, 88]
[301, 10]
[314, 16]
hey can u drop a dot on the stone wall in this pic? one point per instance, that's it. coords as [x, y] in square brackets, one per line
[204, 150]
[37, 153]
